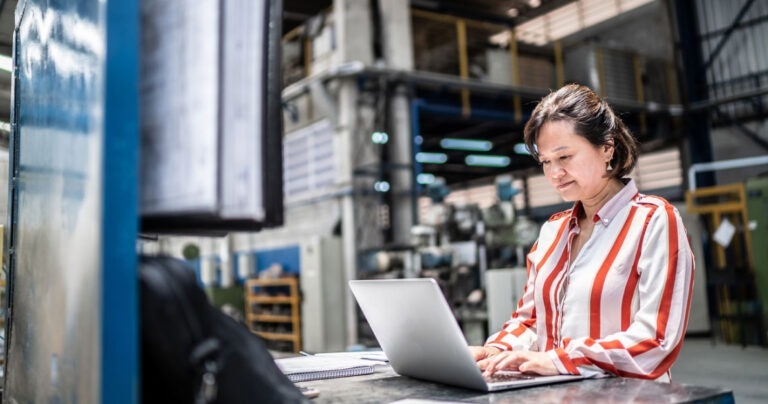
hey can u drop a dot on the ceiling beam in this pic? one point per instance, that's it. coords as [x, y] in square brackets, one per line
[479, 12]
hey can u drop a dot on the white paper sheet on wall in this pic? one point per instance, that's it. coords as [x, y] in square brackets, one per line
[724, 233]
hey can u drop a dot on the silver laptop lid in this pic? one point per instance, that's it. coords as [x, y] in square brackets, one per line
[417, 330]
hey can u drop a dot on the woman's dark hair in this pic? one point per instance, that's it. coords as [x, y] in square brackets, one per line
[592, 118]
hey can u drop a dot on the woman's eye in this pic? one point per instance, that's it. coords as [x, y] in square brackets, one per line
[544, 163]
[564, 157]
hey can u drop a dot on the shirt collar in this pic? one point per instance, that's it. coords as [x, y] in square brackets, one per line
[617, 203]
[612, 207]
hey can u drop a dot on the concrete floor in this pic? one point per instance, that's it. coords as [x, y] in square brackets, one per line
[743, 370]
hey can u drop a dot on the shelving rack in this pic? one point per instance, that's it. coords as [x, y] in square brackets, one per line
[268, 312]
[734, 306]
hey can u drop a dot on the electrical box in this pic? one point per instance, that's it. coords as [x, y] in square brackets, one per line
[504, 288]
[324, 290]
[757, 220]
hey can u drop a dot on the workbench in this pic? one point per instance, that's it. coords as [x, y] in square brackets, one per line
[385, 386]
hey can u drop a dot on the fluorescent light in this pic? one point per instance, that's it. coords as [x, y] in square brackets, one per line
[431, 158]
[425, 178]
[6, 63]
[380, 137]
[466, 144]
[501, 39]
[521, 148]
[487, 160]
[381, 186]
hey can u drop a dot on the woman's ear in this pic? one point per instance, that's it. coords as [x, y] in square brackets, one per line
[608, 150]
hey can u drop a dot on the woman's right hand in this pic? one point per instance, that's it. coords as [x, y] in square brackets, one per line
[483, 352]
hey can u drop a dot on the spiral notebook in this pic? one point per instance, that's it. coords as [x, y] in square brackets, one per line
[306, 368]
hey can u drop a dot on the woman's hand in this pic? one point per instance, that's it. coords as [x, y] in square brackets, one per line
[483, 352]
[524, 361]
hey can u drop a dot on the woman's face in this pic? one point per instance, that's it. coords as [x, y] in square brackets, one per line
[575, 167]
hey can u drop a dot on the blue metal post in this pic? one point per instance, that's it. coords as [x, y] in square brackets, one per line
[120, 304]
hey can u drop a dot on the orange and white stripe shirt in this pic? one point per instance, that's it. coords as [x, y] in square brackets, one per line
[621, 306]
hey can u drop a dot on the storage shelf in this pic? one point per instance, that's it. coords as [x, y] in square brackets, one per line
[276, 336]
[269, 299]
[271, 282]
[259, 303]
[271, 318]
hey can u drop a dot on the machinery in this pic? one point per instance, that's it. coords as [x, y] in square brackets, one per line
[456, 244]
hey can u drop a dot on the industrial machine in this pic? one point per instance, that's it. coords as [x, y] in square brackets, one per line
[455, 244]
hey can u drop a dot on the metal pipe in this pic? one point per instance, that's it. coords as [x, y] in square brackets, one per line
[601, 86]
[637, 65]
[723, 165]
[428, 79]
[514, 62]
[461, 34]
[559, 70]
[701, 105]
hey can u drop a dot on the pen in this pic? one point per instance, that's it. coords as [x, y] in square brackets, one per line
[305, 353]
[368, 358]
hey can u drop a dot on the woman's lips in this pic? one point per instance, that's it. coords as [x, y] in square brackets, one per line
[564, 185]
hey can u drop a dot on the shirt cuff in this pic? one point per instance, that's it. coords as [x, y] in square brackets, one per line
[563, 362]
[502, 346]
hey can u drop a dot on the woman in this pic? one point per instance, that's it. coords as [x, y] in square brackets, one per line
[610, 280]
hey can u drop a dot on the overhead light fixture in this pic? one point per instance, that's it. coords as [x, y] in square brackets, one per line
[500, 39]
[6, 63]
[466, 144]
[522, 148]
[380, 137]
[513, 12]
[431, 158]
[534, 3]
[487, 160]
[381, 186]
[425, 178]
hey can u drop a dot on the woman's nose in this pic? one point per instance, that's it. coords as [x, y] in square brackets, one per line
[556, 171]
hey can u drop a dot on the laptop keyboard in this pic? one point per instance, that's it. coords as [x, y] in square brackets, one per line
[506, 377]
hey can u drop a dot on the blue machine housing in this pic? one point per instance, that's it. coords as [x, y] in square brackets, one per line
[73, 300]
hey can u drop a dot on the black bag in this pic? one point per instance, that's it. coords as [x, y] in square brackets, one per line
[193, 352]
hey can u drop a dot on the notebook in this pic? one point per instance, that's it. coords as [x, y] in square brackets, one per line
[306, 368]
[421, 338]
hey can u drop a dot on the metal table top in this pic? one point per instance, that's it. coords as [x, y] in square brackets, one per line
[386, 386]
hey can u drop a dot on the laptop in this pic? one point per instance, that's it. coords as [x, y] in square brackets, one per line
[420, 336]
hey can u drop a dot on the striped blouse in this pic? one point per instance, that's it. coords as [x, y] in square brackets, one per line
[622, 305]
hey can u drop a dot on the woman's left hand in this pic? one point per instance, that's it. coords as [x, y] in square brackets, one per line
[524, 361]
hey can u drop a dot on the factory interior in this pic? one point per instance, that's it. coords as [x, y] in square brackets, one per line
[285, 147]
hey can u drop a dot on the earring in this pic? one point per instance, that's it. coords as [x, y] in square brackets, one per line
[609, 166]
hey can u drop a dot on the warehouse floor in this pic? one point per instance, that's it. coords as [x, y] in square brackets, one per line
[743, 370]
